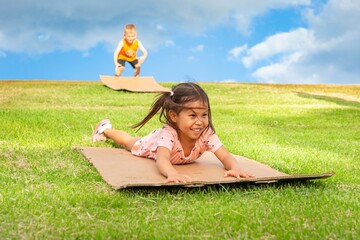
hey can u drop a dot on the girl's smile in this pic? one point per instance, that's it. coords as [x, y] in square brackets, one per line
[191, 121]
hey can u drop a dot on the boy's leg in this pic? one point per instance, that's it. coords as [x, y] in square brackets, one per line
[121, 137]
[119, 71]
[137, 71]
[120, 68]
[136, 65]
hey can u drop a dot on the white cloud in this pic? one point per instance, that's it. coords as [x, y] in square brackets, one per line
[230, 80]
[245, 11]
[160, 28]
[236, 52]
[44, 26]
[271, 73]
[169, 43]
[327, 52]
[281, 43]
[198, 48]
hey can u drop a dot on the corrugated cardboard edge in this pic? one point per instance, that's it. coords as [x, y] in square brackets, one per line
[281, 177]
[133, 84]
[266, 180]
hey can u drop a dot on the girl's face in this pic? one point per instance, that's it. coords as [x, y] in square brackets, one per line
[191, 121]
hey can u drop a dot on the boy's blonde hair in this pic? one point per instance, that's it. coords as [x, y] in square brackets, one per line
[129, 27]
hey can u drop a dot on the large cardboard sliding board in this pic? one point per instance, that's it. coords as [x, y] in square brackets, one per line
[133, 84]
[121, 169]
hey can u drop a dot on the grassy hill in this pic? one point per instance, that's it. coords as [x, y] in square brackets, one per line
[49, 191]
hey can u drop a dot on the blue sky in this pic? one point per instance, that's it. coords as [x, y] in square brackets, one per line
[272, 41]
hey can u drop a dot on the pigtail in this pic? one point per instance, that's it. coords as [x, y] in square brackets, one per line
[175, 101]
[160, 104]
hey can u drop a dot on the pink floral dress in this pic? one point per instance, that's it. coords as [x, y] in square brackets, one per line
[168, 137]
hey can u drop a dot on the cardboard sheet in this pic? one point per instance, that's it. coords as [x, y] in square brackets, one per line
[133, 84]
[121, 169]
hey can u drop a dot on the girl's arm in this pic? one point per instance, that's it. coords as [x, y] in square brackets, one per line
[116, 52]
[230, 164]
[167, 169]
[144, 52]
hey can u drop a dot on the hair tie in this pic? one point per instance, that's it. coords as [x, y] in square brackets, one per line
[171, 93]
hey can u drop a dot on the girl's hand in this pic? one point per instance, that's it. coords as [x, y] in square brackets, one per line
[167, 169]
[229, 162]
[178, 178]
[237, 173]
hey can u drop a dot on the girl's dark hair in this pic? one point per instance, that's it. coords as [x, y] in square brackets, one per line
[174, 100]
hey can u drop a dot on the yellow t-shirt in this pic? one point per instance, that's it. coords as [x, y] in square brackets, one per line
[128, 51]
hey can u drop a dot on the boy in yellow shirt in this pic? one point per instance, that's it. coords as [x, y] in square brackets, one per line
[126, 51]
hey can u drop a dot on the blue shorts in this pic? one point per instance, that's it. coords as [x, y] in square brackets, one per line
[133, 63]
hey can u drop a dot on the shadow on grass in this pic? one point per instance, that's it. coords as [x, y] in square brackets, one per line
[246, 188]
[339, 101]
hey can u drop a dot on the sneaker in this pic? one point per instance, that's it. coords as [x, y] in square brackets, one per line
[98, 134]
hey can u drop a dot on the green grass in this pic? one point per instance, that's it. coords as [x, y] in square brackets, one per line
[49, 191]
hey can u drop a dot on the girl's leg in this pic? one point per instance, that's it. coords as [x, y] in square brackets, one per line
[121, 137]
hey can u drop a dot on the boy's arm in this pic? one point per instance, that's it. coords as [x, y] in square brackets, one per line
[144, 52]
[167, 169]
[231, 164]
[116, 52]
